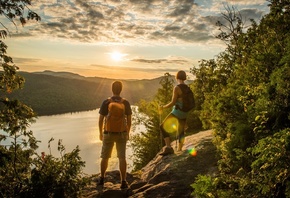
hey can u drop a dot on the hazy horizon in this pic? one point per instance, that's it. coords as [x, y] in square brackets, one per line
[190, 76]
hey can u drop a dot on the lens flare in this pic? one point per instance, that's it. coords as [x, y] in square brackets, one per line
[170, 125]
[192, 151]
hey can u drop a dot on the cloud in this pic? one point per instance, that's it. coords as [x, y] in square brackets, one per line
[163, 61]
[135, 22]
[25, 60]
[246, 2]
[149, 61]
[138, 70]
[22, 34]
[251, 14]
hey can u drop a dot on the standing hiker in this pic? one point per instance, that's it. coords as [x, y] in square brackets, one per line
[114, 126]
[176, 120]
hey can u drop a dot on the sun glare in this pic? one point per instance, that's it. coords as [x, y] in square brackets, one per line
[117, 56]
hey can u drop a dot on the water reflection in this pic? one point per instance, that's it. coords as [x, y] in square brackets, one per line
[75, 129]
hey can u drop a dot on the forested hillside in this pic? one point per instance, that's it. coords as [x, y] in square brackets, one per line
[59, 92]
[243, 95]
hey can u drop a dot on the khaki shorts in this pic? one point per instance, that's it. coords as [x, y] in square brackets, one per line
[108, 143]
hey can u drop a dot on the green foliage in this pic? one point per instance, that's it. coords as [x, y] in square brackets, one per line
[57, 177]
[193, 122]
[22, 172]
[270, 169]
[148, 143]
[244, 96]
[19, 165]
[203, 187]
[164, 94]
[17, 9]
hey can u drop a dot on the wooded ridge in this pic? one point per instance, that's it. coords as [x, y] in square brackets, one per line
[50, 92]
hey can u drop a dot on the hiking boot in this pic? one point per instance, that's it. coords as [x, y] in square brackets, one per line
[100, 181]
[124, 185]
[167, 151]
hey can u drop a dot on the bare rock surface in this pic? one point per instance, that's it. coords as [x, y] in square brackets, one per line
[164, 176]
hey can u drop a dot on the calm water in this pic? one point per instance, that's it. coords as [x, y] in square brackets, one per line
[76, 129]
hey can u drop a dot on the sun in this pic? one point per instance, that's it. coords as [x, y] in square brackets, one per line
[117, 56]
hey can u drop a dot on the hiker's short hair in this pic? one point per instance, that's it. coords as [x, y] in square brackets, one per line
[181, 75]
[117, 87]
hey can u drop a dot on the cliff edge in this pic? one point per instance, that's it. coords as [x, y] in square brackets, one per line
[164, 176]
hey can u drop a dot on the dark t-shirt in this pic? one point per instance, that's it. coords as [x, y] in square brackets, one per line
[104, 107]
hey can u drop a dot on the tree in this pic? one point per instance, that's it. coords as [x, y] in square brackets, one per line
[12, 10]
[16, 10]
[14, 115]
[24, 173]
[148, 143]
[245, 100]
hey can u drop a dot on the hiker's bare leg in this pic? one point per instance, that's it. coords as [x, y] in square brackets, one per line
[104, 166]
[181, 134]
[167, 141]
[180, 145]
[166, 137]
[123, 168]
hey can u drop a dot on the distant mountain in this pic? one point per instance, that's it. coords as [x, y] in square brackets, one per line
[61, 74]
[51, 92]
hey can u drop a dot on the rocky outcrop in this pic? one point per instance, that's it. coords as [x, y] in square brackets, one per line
[164, 176]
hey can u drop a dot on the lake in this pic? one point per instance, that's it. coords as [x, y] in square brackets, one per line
[80, 128]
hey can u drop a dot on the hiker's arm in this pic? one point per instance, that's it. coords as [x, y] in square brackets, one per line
[174, 98]
[129, 118]
[101, 121]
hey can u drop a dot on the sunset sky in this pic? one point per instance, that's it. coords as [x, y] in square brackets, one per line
[124, 39]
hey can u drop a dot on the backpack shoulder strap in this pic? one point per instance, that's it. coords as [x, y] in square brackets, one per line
[109, 100]
[183, 88]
